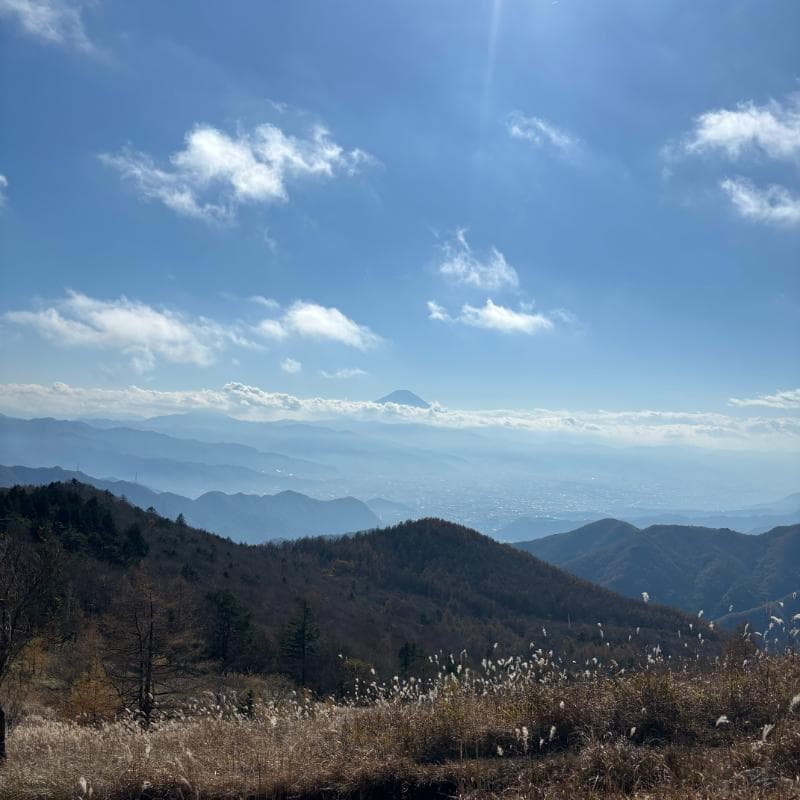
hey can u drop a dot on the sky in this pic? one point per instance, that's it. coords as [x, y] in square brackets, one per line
[580, 215]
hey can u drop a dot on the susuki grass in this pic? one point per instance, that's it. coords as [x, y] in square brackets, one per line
[512, 727]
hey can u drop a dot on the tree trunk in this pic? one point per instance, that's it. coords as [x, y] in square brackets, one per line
[2, 735]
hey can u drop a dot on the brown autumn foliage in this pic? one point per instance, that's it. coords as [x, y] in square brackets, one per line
[147, 679]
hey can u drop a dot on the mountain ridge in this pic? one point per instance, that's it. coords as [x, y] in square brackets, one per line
[187, 466]
[688, 567]
[243, 517]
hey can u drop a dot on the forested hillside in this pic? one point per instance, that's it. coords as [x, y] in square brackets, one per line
[316, 610]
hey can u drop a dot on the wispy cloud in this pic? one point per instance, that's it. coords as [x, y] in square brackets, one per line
[141, 332]
[775, 204]
[3, 190]
[499, 318]
[772, 129]
[702, 429]
[290, 366]
[543, 134]
[492, 316]
[462, 267]
[788, 399]
[52, 21]
[267, 302]
[344, 373]
[216, 172]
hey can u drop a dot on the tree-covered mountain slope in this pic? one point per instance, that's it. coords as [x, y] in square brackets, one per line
[687, 567]
[384, 598]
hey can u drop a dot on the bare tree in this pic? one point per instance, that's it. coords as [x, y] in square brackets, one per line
[153, 645]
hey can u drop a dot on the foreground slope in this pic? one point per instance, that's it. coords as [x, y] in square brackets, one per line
[430, 584]
[687, 567]
[501, 733]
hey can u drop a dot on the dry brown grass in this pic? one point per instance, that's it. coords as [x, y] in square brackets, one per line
[529, 733]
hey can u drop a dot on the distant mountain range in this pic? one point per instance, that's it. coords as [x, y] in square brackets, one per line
[155, 459]
[692, 568]
[474, 476]
[362, 458]
[242, 517]
[757, 519]
[420, 586]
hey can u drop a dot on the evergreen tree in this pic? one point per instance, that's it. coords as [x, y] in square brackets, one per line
[232, 631]
[409, 658]
[298, 643]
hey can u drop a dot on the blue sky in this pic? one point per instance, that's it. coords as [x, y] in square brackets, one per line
[500, 205]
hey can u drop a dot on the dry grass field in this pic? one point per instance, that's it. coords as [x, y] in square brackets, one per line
[514, 728]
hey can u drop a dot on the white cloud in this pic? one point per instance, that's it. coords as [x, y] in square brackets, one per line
[314, 321]
[53, 21]
[787, 399]
[438, 312]
[271, 329]
[341, 374]
[492, 316]
[291, 366]
[702, 429]
[3, 187]
[146, 334]
[215, 172]
[496, 317]
[541, 133]
[773, 129]
[462, 267]
[774, 204]
[143, 333]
